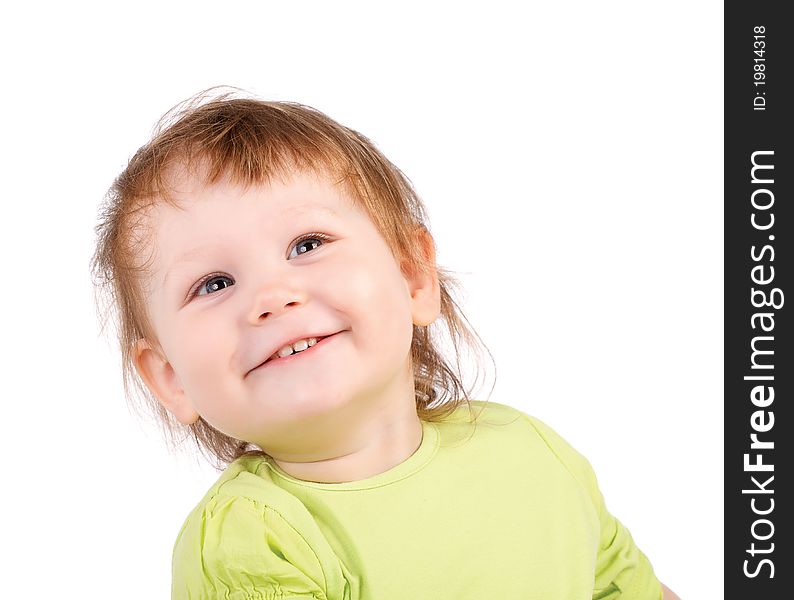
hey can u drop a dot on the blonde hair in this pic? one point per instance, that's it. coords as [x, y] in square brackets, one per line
[251, 141]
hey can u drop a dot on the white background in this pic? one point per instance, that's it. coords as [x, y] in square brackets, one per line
[569, 153]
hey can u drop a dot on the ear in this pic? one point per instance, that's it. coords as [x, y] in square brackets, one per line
[161, 379]
[423, 283]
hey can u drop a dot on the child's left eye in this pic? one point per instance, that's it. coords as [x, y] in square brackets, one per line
[304, 242]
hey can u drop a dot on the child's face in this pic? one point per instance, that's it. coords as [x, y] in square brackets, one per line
[269, 284]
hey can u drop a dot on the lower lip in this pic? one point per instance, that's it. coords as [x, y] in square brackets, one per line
[285, 360]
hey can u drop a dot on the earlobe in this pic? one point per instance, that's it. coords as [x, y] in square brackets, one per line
[423, 283]
[159, 376]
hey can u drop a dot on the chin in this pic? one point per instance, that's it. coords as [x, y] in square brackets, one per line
[297, 404]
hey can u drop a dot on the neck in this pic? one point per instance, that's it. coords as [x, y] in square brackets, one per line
[384, 448]
[364, 437]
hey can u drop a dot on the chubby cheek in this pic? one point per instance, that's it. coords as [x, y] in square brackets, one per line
[379, 307]
[203, 360]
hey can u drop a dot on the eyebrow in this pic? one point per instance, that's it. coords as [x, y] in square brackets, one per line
[198, 251]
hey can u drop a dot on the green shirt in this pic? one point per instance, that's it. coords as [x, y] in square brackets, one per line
[503, 509]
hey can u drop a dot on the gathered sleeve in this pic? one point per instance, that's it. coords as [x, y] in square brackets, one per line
[234, 547]
[622, 571]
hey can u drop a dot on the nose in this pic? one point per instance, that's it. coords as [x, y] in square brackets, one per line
[272, 299]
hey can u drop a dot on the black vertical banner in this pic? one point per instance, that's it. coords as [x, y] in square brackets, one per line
[759, 302]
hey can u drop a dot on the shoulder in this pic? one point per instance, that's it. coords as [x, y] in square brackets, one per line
[492, 413]
[620, 568]
[250, 535]
[533, 440]
[511, 420]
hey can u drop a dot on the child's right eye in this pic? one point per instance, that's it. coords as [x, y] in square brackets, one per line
[211, 284]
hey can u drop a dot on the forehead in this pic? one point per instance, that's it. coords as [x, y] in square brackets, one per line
[193, 203]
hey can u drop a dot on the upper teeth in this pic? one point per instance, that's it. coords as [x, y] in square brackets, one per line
[296, 347]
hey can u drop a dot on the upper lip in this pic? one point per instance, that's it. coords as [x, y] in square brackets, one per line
[272, 349]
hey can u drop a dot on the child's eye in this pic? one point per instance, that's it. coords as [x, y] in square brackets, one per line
[216, 282]
[211, 284]
[307, 243]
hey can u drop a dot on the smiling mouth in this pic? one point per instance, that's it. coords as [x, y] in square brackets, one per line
[276, 359]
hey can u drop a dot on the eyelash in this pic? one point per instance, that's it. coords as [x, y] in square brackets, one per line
[194, 292]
